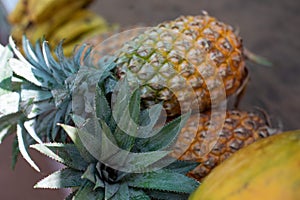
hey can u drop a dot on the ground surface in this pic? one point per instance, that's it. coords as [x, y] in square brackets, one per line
[269, 28]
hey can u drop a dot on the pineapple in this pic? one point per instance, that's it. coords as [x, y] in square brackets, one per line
[184, 63]
[210, 146]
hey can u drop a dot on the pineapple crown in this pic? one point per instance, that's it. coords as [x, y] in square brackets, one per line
[111, 156]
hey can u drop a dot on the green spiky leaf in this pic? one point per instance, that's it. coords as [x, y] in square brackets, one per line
[165, 136]
[15, 152]
[182, 167]
[92, 175]
[6, 131]
[42, 124]
[83, 92]
[122, 193]
[60, 116]
[136, 194]
[30, 91]
[89, 173]
[5, 70]
[257, 59]
[103, 110]
[110, 84]
[23, 68]
[33, 109]
[67, 154]
[73, 134]
[99, 183]
[29, 126]
[7, 124]
[87, 192]
[166, 196]
[148, 119]
[60, 71]
[111, 190]
[91, 137]
[105, 65]
[61, 179]
[24, 144]
[32, 55]
[163, 180]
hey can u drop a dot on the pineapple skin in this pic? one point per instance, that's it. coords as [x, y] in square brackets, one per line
[187, 63]
[210, 143]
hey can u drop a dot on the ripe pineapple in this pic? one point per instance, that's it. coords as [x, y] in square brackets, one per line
[198, 142]
[195, 52]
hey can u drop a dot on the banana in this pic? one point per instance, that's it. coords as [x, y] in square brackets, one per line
[69, 47]
[81, 22]
[46, 28]
[56, 20]
[18, 14]
[42, 10]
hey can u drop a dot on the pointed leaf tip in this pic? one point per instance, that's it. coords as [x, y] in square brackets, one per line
[23, 147]
[64, 178]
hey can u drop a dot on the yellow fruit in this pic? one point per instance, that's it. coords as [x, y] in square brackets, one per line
[184, 63]
[56, 21]
[46, 28]
[267, 169]
[69, 46]
[81, 22]
[42, 10]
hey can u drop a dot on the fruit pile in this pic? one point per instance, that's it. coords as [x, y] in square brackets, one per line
[140, 115]
[56, 20]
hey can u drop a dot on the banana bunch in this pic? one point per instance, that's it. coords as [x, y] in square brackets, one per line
[56, 20]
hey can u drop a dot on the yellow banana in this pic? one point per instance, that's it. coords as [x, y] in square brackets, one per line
[42, 10]
[81, 22]
[46, 28]
[18, 14]
[69, 47]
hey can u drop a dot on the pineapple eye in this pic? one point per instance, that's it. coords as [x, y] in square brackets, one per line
[263, 132]
[250, 124]
[236, 144]
[206, 44]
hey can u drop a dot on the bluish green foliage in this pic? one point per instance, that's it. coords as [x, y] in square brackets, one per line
[106, 170]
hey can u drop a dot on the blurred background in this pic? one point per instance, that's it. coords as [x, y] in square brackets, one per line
[270, 28]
